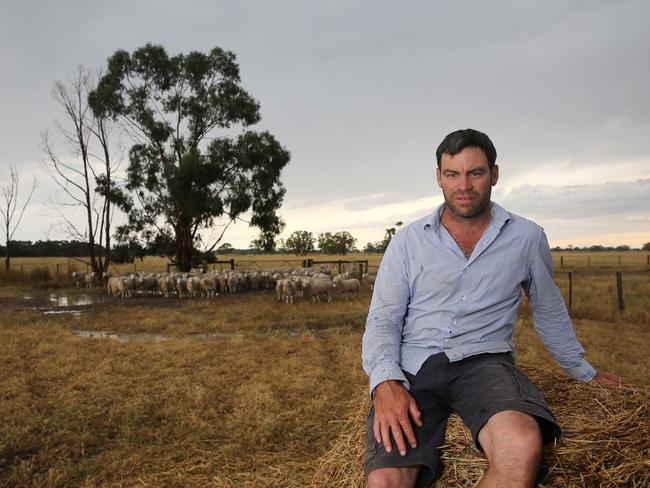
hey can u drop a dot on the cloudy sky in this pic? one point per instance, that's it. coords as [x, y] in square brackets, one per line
[362, 93]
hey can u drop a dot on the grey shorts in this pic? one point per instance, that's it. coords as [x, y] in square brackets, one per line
[475, 388]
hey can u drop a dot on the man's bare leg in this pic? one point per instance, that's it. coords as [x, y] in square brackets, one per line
[393, 477]
[512, 443]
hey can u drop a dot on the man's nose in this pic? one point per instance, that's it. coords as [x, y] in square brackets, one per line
[465, 182]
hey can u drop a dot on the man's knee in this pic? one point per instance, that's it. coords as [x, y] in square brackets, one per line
[512, 440]
[393, 477]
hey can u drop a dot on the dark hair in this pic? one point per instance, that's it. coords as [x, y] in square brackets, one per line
[460, 139]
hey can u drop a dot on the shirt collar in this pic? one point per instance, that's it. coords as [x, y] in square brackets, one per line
[499, 217]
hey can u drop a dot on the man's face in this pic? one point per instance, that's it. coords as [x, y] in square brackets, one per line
[466, 181]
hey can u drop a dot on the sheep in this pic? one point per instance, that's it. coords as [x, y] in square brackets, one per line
[255, 280]
[369, 279]
[147, 284]
[208, 286]
[288, 290]
[298, 286]
[89, 279]
[314, 288]
[346, 287]
[167, 285]
[121, 286]
[278, 290]
[78, 278]
[113, 286]
[233, 282]
[222, 281]
[193, 286]
[181, 286]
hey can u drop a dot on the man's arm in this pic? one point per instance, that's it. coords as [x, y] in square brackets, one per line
[552, 320]
[382, 338]
[394, 406]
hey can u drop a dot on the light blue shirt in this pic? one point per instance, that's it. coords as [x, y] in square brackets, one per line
[429, 298]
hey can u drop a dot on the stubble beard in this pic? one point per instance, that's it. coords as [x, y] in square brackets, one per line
[481, 204]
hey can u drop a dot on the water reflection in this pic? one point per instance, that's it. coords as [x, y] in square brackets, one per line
[61, 312]
[151, 337]
[73, 301]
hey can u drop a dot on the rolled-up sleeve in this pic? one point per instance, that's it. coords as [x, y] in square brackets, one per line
[551, 317]
[383, 335]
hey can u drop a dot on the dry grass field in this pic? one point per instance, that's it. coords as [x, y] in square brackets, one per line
[238, 391]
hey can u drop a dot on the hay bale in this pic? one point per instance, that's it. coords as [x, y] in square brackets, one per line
[605, 442]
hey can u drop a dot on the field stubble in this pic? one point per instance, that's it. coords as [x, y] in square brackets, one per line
[257, 406]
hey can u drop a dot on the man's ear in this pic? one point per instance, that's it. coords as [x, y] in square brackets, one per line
[438, 177]
[494, 174]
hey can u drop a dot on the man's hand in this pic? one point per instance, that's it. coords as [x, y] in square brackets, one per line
[607, 379]
[393, 404]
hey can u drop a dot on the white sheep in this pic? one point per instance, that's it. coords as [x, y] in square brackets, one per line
[208, 286]
[193, 286]
[315, 288]
[347, 287]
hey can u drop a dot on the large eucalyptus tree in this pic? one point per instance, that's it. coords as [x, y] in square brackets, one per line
[186, 171]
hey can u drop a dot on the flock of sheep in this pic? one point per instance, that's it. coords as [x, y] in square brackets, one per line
[289, 284]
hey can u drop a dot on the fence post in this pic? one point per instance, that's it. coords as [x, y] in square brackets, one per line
[232, 265]
[562, 261]
[619, 289]
[360, 267]
[570, 289]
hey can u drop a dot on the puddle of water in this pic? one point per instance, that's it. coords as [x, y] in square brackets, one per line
[76, 300]
[61, 312]
[151, 337]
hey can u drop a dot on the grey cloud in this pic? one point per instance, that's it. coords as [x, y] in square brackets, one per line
[362, 96]
[624, 200]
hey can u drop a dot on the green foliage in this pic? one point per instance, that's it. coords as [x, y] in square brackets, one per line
[380, 246]
[225, 248]
[184, 171]
[371, 248]
[336, 243]
[300, 242]
[126, 253]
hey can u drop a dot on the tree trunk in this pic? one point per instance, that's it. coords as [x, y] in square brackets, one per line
[7, 263]
[184, 247]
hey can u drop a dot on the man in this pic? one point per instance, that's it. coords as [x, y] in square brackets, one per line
[439, 331]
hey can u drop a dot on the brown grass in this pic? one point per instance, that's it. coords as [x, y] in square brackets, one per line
[260, 405]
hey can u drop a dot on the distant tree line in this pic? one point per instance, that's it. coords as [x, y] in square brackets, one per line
[302, 242]
[599, 248]
[47, 249]
[299, 242]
